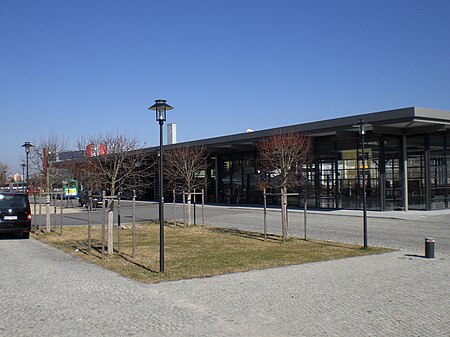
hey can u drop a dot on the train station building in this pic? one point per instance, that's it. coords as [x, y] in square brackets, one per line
[407, 162]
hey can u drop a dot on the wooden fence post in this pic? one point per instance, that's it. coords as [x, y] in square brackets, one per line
[174, 215]
[61, 214]
[103, 223]
[203, 207]
[89, 220]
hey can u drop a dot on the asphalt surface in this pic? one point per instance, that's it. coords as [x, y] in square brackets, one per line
[394, 229]
[45, 292]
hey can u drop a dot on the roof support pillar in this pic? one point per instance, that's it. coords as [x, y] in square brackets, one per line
[405, 174]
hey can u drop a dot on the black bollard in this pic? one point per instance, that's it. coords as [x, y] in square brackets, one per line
[429, 248]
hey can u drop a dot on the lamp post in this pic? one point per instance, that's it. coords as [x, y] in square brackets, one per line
[23, 177]
[361, 125]
[161, 107]
[27, 146]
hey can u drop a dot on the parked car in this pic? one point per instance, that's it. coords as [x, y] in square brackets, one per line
[97, 199]
[15, 214]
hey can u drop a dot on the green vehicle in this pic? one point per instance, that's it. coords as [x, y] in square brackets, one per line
[70, 189]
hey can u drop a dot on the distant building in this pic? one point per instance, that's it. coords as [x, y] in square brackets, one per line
[70, 155]
[171, 133]
[17, 177]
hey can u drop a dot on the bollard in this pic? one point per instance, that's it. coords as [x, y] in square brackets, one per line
[429, 248]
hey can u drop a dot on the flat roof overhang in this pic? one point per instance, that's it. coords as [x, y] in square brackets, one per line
[404, 121]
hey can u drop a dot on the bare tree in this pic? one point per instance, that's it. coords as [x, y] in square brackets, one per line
[281, 158]
[43, 156]
[115, 162]
[183, 168]
[3, 173]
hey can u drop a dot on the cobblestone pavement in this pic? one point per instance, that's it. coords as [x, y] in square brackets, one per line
[45, 292]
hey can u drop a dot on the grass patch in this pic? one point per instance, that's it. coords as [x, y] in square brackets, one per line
[196, 251]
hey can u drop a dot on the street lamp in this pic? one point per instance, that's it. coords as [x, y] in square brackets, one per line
[27, 146]
[23, 177]
[161, 107]
[362, 124]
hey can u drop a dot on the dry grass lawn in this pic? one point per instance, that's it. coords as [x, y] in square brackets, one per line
[195, 251]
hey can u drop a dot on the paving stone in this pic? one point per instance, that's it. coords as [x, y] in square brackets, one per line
[44, 292]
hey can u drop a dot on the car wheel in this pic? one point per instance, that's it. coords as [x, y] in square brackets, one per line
[26, 235]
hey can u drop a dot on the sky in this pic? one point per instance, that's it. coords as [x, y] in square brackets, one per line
[83, 68]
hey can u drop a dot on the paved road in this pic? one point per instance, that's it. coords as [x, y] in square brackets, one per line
[45, 292]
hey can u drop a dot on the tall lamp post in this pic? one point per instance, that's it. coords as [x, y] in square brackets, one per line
[27, 146]
[161, 107]
[23, 177]
[361, 125]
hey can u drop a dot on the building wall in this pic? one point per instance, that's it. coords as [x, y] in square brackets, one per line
[333, 178]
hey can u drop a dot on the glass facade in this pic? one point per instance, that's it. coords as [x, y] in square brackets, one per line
[237, 179]
[333, 177]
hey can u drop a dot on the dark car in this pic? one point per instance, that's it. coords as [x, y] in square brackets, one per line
[15, 214]
[97, 199]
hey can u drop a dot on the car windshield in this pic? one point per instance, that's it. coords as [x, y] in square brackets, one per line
[13, 201]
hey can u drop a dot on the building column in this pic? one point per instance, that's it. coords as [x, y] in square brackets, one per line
[316, 175]
[216, 167]
[336, 175]
[427, 174]
[382, 173]
[405, 174]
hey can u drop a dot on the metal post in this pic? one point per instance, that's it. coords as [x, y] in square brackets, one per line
[265, 214]
[429, 248]
[27, 171]
[103, 223]
[119, 241]
[133, 228]
[161, 200]
[61, 210]
[305, 209]
[364, 191]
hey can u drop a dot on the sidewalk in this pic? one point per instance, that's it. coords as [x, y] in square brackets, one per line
[379, 295]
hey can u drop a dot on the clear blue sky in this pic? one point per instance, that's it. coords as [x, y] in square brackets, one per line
[83, 67]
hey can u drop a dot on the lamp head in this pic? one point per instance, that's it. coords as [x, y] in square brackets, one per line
[27, 146]
[361, 125]
[160, 107]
